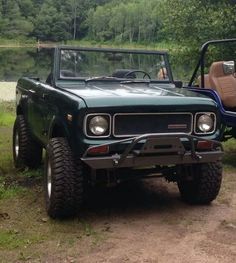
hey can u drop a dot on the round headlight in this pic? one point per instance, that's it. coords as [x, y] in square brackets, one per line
[205, 123]
[98, 125]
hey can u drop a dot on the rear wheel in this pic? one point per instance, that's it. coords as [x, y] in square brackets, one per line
[26, 151]
[200, 183]
[63, 182]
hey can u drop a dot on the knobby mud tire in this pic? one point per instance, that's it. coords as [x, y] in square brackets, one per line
[66, 176]
[200, 183]
[29, 151]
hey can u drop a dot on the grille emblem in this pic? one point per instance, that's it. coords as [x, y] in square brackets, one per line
[177, 126]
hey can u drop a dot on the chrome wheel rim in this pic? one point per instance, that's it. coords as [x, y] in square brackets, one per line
[17, 146]
[49, 179]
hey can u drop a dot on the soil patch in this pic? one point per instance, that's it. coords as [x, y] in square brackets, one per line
[142, 221]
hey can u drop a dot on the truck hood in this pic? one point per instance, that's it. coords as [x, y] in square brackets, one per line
[131, 94]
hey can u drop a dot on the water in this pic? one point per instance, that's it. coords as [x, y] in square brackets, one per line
[18, 62]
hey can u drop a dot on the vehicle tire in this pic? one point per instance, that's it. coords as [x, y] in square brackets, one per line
[26, 151]
[200, 183]
[63, 180]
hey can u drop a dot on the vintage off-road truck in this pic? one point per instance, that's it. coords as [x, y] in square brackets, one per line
[108, 115]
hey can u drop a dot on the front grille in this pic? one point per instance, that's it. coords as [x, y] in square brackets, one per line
[132, 124]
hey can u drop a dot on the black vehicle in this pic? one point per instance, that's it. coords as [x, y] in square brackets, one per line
[103, 113]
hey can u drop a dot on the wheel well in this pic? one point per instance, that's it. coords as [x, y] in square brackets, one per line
[58, 131]
[19, 110]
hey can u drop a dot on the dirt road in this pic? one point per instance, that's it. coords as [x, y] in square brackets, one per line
[136, 222]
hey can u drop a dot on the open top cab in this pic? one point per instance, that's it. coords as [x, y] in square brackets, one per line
[218, 81]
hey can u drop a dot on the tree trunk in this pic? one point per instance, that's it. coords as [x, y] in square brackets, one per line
[75, 26]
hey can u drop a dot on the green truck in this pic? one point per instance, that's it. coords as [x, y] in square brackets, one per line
[109, 115]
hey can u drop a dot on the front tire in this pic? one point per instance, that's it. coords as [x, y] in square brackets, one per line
[26, 151]
[200, 183]
[63, 182]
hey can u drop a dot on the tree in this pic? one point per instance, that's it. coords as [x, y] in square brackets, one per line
[13, 23]
[189, 21]
[51, 24]
[26, 8]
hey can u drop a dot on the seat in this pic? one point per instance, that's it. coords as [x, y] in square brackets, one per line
[224, 83]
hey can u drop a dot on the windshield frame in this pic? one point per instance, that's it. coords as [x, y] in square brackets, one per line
[57, 62]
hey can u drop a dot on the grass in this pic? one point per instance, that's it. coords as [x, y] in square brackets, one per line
[229, 155]
[170, 46]
[17, 42]
[7, 116]
[12, 239]
[92, 43]
[7, 113]
[10, 192]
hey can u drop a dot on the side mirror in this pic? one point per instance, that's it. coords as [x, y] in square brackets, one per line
[228, 67]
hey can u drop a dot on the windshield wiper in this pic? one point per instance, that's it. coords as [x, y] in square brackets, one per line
[135, 81]
[122, 81]
[101, 78]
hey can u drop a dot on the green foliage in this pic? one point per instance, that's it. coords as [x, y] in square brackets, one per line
[127, 21]
[196, 21]
[10, 192]
[7, 111]
[51, 24]
[5, 119]
[7, 115]
[190, 22]
[18, 239]
[12, 23]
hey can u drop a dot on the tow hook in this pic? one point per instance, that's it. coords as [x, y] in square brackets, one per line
[116, 160]
[196, 156]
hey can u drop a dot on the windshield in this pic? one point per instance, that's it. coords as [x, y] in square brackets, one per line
[117, 64]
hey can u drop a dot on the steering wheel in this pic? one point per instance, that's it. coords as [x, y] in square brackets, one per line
[145, 74]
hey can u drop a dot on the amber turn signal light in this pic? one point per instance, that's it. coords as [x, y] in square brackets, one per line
[204, 145]
[103, 149]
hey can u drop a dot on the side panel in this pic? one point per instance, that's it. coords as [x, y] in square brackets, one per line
[45, 106]
[27, 99]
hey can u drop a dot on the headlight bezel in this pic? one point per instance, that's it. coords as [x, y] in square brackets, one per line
[197, 130]
[87, 121]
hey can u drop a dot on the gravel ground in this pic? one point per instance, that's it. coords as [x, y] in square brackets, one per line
[7, 91]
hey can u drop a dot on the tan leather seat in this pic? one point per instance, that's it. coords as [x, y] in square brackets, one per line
[224, 84]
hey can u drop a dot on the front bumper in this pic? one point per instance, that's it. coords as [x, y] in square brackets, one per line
[156, 149]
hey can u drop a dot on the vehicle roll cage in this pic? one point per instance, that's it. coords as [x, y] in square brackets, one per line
[201, 62]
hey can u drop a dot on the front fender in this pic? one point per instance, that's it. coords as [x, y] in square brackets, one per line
[228, 118]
